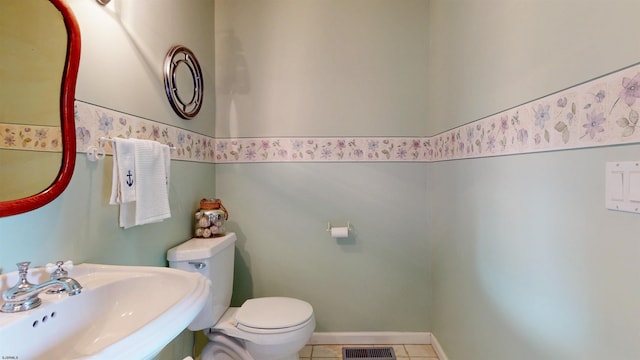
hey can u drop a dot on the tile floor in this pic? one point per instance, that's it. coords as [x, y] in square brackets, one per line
[334, 352]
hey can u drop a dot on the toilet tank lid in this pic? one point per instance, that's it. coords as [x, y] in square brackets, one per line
[200, 248]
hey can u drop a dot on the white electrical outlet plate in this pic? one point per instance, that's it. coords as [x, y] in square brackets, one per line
[622, 186]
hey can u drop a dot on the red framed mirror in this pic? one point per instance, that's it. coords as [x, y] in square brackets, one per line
[67, 122]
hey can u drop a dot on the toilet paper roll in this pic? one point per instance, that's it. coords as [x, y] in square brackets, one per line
[339, 232]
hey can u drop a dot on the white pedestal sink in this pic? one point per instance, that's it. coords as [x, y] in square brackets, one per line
[123, 312]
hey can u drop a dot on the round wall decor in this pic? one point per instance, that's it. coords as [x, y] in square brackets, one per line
[183, 81]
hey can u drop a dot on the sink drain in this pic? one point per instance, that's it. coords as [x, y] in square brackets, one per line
[366, 353]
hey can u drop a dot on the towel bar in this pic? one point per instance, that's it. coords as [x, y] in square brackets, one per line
[98, 153]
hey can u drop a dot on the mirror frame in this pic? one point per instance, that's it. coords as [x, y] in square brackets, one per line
[180, 55]
[67, 122]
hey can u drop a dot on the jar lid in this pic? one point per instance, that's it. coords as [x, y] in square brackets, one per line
[210, 204]
[214, 204]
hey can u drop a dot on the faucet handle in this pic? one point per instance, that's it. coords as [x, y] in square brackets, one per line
[23, 267]
[23, 271]
[57, 271]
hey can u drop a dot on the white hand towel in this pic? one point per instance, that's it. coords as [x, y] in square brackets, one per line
[128, 215]
[141, 181]
[152, 161]
[123, 189]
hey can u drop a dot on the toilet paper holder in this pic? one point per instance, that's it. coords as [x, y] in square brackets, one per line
[339, 231]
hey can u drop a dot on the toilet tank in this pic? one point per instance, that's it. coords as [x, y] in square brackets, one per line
[213, 258]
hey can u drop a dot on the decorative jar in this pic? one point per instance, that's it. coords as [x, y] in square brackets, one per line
[210, 218]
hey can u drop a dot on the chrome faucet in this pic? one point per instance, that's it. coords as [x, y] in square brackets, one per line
[24, 295]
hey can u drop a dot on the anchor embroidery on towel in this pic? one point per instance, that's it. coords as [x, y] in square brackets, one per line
[129, 178]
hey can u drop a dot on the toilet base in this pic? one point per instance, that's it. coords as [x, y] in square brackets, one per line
[223, 347]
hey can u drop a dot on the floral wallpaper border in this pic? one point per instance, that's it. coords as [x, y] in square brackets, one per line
[600, 112]
[94, 122]
[30, 137]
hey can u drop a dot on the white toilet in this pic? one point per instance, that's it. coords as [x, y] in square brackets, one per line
[272, 328]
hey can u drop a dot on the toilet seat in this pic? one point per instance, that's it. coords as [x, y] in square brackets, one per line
[272, 315]
[260, 333]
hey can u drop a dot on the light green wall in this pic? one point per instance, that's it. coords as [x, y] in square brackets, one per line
[123, 48]
[80, 225]
[521, 261]
[378, 279]
[491, 55]
[321, 68]
[327, 68]
[528, 264]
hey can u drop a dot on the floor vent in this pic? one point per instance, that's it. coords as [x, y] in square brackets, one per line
[368, 353]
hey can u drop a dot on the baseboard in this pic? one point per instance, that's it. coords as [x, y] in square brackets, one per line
[369, 338]
[438, 349]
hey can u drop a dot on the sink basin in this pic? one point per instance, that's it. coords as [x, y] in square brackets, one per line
[123, 312]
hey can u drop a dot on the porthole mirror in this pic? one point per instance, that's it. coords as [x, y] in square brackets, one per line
[183, 82]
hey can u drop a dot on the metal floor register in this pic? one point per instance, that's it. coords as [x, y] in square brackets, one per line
[368, 353]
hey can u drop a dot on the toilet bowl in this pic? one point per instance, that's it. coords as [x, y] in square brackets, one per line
[265, 336]
[270, 328]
